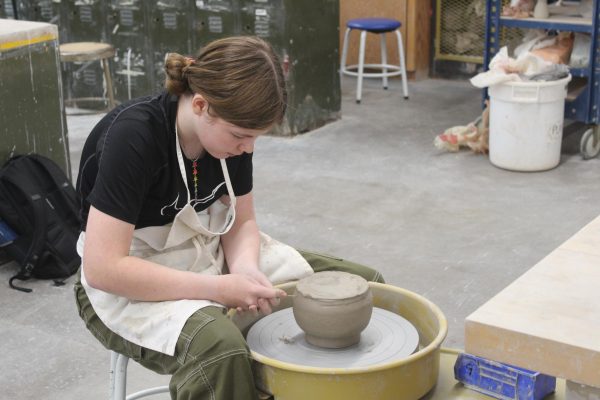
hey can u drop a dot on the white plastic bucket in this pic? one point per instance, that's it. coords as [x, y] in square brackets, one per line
[526, 124]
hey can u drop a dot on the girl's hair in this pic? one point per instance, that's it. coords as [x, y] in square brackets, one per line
[241, 78]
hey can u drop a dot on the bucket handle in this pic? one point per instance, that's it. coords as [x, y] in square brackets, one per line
[524, 94]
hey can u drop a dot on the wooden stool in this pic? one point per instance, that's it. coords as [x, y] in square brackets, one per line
[88, 52]
[378, 26]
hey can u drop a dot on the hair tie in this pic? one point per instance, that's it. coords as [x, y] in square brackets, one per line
[189, 61]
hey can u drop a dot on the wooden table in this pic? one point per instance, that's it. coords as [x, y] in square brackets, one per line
[548, 320]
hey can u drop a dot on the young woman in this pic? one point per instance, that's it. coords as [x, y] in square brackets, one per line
[169, 239]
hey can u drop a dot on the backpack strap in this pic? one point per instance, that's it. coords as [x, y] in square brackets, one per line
[67, 191]
[39, 234]
[23, 275]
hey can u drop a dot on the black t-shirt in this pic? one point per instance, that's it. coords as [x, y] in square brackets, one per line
[129, 166]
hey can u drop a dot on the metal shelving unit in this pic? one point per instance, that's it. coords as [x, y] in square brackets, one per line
[582, 103]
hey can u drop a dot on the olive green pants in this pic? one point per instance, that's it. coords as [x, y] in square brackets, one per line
[211, 360]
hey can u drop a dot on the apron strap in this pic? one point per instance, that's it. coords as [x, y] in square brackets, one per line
[228, 181]
[181, 164]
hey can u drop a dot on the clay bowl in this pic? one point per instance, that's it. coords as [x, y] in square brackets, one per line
[332, 308]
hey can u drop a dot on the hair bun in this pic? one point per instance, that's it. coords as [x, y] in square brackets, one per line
[175, 81]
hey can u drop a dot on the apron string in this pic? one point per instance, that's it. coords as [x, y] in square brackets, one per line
[181, 164]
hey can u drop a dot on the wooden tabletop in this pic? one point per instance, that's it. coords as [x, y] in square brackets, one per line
[548, 320]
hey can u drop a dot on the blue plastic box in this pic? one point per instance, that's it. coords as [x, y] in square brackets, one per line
[502, 381]
[7, 235]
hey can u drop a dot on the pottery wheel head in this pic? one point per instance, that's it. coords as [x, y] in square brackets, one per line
[332, 285]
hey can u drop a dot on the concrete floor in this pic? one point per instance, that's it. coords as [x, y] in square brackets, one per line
[371, 188]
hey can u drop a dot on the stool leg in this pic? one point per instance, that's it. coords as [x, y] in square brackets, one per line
[361, 65]
[402, 64]
[345, 51]
[384, 61]
[113, 367]
[109, 85]
[120, 377]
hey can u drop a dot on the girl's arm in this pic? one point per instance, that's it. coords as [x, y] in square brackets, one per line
[109, 267]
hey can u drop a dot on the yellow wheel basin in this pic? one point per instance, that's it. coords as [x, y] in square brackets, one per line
[406, 379]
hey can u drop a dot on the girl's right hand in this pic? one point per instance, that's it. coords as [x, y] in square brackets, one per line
[242, 292]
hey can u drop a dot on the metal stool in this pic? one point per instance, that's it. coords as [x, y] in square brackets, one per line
[379, 26]
[89, 52]
[118, 380]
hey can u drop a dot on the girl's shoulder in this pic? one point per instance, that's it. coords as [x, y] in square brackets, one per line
[156, 109]
[149, 118]
[142, 126]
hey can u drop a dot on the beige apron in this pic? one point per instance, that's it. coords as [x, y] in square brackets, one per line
[190, 243]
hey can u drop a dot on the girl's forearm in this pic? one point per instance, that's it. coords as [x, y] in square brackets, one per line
[139, 279]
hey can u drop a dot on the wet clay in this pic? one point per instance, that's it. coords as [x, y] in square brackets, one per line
[333, 308]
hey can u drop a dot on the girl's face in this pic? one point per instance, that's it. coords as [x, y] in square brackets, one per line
[222, 139]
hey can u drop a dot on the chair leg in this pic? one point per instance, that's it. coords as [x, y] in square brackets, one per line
[384, 69]
[402, 63]
[109, 85]
[361, 65]
[345, 51]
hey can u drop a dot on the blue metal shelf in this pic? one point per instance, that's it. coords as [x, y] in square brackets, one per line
[582, 25]
[580, 72]
[585, 107]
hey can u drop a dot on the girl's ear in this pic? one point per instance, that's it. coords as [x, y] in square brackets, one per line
[199, 104]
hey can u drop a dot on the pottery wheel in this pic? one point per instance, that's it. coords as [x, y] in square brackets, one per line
[387, 338]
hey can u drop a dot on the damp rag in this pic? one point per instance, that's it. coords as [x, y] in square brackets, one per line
[505, 69]
[474, 135]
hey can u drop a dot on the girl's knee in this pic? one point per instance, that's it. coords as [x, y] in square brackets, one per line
[214, 362]
[323, 262]
[209, 334]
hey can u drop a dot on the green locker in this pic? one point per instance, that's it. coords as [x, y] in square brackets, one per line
[264, 19]
[311, 46]
[39, 10]
[83, 21]
[128, 32]
[306, 36]
[169, 27]
[32, 117]
[214, 19]
[6, 9]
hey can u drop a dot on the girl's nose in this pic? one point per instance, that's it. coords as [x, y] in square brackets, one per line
[247, 146]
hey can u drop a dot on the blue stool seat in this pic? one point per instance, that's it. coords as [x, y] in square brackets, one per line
[375, 25]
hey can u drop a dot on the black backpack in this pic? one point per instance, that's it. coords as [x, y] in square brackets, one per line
[38, 202]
